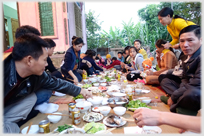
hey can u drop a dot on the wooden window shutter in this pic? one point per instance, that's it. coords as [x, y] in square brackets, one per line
[46, 18]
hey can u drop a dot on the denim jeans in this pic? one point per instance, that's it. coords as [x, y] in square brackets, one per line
[43, 95]
[92, 71]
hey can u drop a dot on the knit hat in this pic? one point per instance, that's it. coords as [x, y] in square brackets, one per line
[147, 63]
[108, 56]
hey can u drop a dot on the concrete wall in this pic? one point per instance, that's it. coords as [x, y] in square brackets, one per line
[29, 15]
[8, 14]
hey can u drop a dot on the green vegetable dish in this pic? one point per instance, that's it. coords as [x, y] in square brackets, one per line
[86, 86]
[64, 127]
[136, 104]
[97, 127]
[80, 96]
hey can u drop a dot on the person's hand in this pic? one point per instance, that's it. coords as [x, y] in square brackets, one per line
[86, 94]
[88, 64]
[76, 80]
[176, 46]
[63, 101]
[127, 67]
[170, 102]
[146, 116]
[167, 45]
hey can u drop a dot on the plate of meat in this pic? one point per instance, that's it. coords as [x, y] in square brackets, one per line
[114, 121]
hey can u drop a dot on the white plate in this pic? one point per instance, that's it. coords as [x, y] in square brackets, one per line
[73, 129]
[95, 120]
[95, 123]
[95, 110]
[151, 130]
[140, 98]
[114, 125]
[145, 91]
[119, 94]
[34, 129]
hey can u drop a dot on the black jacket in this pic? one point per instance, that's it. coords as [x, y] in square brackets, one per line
[33, 83]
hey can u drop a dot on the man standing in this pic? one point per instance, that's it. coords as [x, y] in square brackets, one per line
[24, 74]
[185, 97]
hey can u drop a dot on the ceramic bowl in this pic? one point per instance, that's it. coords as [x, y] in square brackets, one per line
[85, 80]
[79, 100]
[103, 84]
[93, 80]
[54, 118]
[138, 91]
[95, 100]
[96, 84]
[83, 106]
[119, 110]
[104, 110]
[146, 100]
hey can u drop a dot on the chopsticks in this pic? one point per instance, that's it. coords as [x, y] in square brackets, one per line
[128, 119]
[56, 114]
[29, 127]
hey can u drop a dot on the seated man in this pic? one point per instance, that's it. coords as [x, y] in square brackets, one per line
[185, 93]
[24, 74]
[120, 56]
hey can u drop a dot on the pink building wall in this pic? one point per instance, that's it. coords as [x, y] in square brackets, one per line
[29, 15]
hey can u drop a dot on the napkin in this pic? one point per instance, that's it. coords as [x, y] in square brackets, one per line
[132, 130]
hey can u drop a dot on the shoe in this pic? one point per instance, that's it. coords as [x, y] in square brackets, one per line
[186, 111]
[164, 99]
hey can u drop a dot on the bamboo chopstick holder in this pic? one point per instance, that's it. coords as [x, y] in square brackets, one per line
[29, 127]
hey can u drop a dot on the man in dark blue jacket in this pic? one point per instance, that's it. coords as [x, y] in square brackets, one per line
[185, 94]
[24, 74]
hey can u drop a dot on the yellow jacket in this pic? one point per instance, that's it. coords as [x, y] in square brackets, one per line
[175, 27]
[144, 53]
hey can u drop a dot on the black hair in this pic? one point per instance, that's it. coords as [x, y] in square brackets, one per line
[137, 40]
[26, 29]
[50, 42]
[114, 58]
[127, 47]
[90, 53]
[195, 28]
[120, 52]
[167, 11]
[133, 47]
[77, 40]
[124, 52]
[159, 43]
[97, 58]
[28, 44]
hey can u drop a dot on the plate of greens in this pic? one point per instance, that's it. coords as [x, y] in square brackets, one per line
[85, 86]
[96, 127]
[80, 96]
[62, 128]
[135, 104]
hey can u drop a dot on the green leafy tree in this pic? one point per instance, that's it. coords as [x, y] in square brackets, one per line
[93, 28]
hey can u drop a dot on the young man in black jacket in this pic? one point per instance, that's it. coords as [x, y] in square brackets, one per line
[24, 74]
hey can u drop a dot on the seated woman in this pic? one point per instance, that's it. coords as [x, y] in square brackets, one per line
[137, 44]
[70, 68]
[136, 62]
[90, 56]
[101, 61]
[166, 59]
[108, 60]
